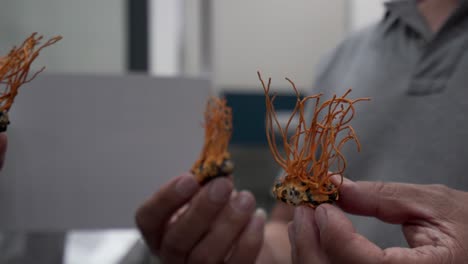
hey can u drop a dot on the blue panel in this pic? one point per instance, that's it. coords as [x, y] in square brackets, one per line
[249, 115]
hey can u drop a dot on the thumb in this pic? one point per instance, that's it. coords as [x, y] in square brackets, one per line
[339, 239]
[304, 237]
[342, 244]
[394, 203]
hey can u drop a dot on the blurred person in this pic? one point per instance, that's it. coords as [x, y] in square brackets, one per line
[414, 65]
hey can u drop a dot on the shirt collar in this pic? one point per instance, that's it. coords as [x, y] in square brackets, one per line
[406, 12]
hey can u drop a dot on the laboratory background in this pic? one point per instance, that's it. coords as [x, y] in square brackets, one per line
[119, 109]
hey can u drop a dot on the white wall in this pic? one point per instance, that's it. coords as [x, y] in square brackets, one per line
[365, 12]
[175, 37]
[192, 49]
[166, 36]
[93, 30]
[280, 38]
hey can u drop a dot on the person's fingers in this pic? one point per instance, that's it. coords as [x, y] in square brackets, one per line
[394, 203]
[250, 241]
[224, 231]
[339, 239]
[3, 148]
[153, 215]
[343, 245]
[276, 248]
[292, 239]
[178, 214]
[305, 237]
[190, 228]
[184, 209]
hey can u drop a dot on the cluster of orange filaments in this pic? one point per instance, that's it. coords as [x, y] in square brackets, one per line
[14, 71]
[215, 159]
[312, 154]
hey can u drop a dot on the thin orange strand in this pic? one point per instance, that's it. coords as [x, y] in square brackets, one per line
[15, 67]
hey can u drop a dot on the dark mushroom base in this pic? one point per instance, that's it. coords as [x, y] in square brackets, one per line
[208, 171]
[4, 121]
[297, 193]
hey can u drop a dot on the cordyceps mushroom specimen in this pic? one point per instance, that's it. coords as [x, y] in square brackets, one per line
[15, 71]
[312, 154]
[215, 160]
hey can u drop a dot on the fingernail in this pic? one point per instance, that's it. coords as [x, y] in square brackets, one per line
[233, 194]
[219, 190]
[178, 213]
[257, 222]
[336, 179]
[186, 186]
[243, 202]
[321, 218]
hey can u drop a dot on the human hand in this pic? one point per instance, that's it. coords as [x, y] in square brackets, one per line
[216, 226]
[433, 219]
[276, 248]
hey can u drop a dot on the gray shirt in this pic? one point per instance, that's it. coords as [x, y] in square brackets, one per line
[414, 129]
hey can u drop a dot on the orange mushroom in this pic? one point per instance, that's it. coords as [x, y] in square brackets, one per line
[14, 72]
[312, 154]
[215, 160]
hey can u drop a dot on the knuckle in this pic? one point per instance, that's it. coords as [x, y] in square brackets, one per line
[386, 190]
[388, 257]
